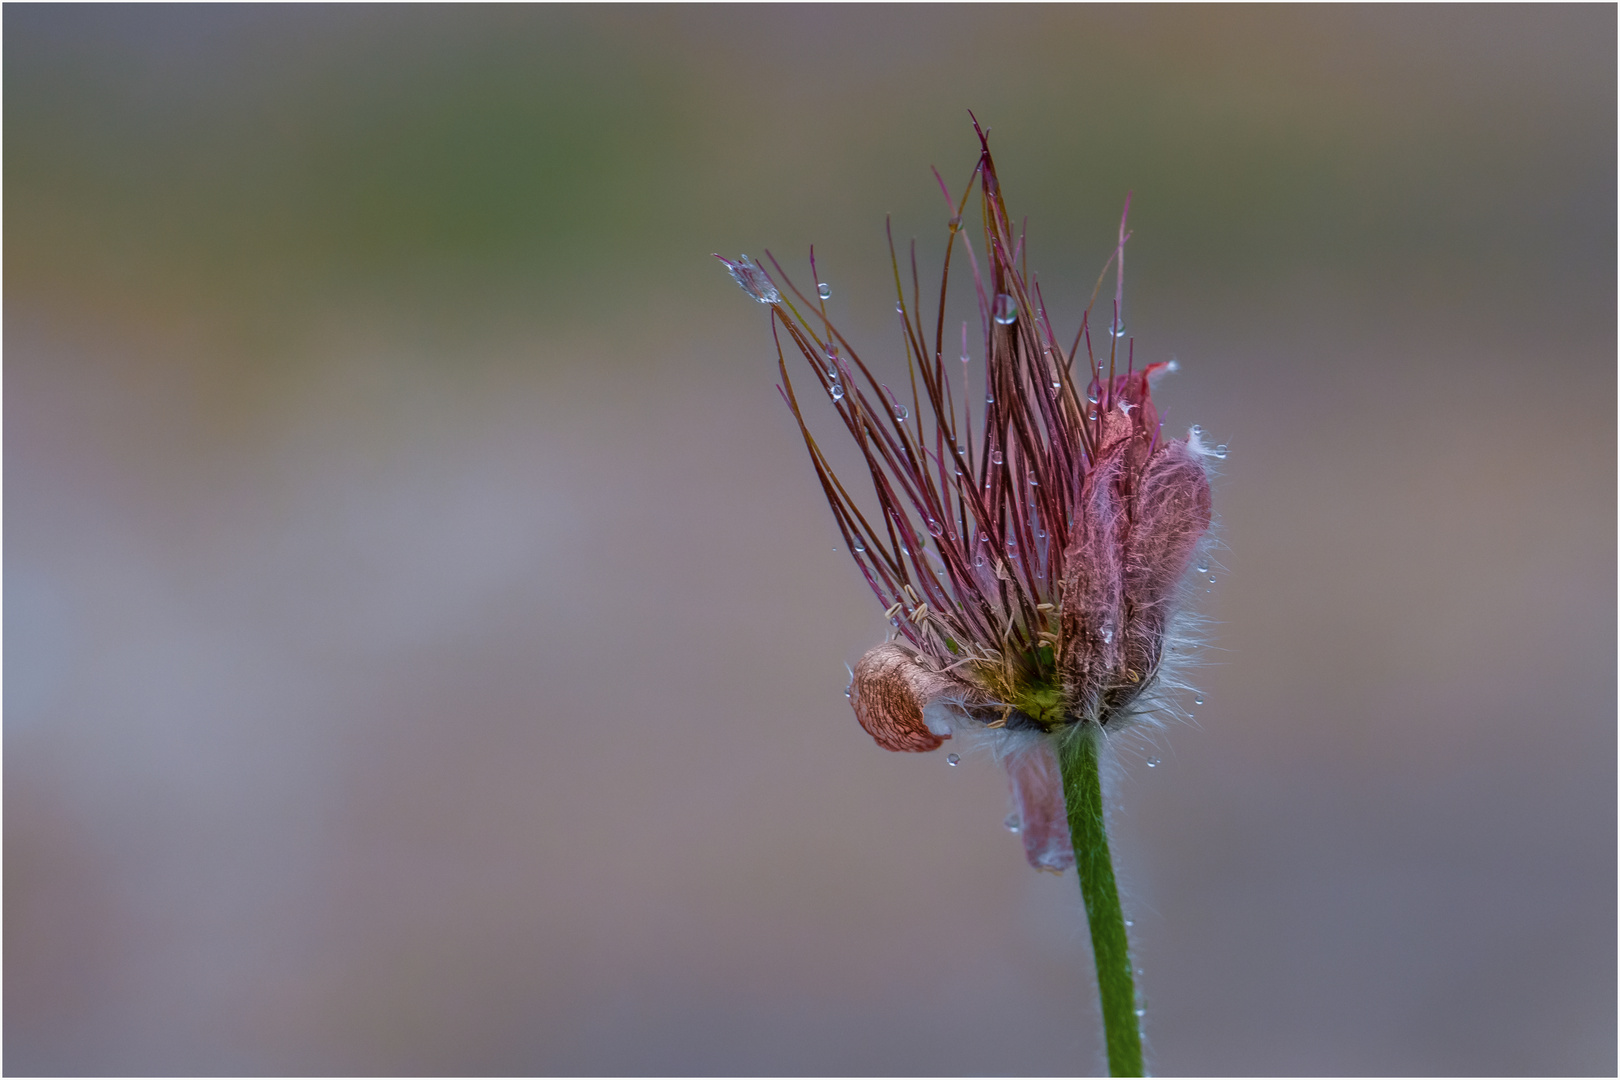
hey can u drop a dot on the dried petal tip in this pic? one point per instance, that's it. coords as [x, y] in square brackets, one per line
[891, 689]
[752, 279]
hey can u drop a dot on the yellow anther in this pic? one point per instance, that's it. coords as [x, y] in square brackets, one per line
[893, 610]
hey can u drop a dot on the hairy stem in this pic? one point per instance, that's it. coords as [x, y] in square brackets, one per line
[1116, 985]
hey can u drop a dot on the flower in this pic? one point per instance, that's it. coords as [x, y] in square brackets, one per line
[1031, 567]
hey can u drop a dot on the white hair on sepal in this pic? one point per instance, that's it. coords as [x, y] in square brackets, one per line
[970, 736]
[942, 717]
[1003, 742]
[1208, 453]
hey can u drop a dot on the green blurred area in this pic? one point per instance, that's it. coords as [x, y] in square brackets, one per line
[391, 160]
[260, 162]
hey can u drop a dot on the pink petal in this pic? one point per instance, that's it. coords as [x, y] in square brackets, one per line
[1092, 591]
[1172, 511]
[1037, 789]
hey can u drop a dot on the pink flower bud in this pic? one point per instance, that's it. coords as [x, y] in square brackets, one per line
[1029, 550]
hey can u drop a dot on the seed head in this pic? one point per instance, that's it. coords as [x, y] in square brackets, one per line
[1030, 564]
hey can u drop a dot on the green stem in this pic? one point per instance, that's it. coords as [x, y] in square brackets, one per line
[1116, 985]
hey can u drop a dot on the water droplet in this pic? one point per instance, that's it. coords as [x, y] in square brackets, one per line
[1093, 397]
[900, 306]
[989, 400]
[1118, 329]
[1139, 1012]
[1153, 763]
[1220, 451]
[1203, 567]
[964, 358]
[1212, 581]
[935, 528]
[1130, 922]
[995, 457]
[1004, 309]
[955, 222]
[823, 289]
[753, 280]
[1198, 701]
[1092, 415]
[1012, 546]
[1034, 482]
[953, 760]
[859, 545]
[1196, 430]
[901, 412]
[837, 392]
[978, 560]
[1108, 635]
[848, 692]
[1011, 823]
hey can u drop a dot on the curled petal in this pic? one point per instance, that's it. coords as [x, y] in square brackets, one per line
[1037, 790]
[890, 691]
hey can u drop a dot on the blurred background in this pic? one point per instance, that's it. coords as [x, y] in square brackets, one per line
[425, 639]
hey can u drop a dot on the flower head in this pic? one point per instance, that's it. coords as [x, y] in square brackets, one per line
[1030, 564]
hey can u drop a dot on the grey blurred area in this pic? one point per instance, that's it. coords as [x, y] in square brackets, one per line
[425, 639]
